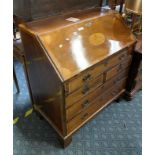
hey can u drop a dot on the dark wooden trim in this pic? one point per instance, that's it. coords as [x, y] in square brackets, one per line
[133, 71]
[134, 79]
[121, 6]
[28, 81]
[15, 80]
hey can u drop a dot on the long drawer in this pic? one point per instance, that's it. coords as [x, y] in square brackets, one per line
[101, 101]
[93, 72]
[87, 100]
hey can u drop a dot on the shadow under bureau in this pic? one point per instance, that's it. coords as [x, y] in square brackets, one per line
[76, 66]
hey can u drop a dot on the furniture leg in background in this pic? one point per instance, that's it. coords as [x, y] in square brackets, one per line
[15, 80]
[134, 82]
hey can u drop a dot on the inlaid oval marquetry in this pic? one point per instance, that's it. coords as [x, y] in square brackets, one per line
[97, 39]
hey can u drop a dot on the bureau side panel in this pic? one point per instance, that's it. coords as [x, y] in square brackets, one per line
[45, 83]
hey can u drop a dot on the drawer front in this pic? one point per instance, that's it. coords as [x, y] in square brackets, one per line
[88, 99]
[95, 71]
[118, 68]
[86, 89]
[80, 119]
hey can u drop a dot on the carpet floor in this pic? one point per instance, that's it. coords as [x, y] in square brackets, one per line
[116, 130]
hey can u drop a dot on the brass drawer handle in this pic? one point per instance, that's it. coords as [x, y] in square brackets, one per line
[115, 81]
[85, 103]
[86, 77]
[105, 62]
[119, 68]
[85, 89]
[84, 116]
[114, 92]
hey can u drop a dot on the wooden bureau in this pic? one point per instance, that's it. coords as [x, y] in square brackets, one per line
[76, 68]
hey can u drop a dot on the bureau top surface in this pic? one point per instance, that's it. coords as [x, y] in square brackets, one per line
[77, 45]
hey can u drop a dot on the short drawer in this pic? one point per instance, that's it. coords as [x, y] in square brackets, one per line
[94, 71]
[98, 104]
[118, 68]
[84, 90]
[88, 99]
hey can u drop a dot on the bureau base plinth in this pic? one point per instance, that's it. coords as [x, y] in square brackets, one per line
[65, 141]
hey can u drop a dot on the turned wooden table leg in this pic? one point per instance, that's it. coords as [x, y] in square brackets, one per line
[128, 96]
[65, 142]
